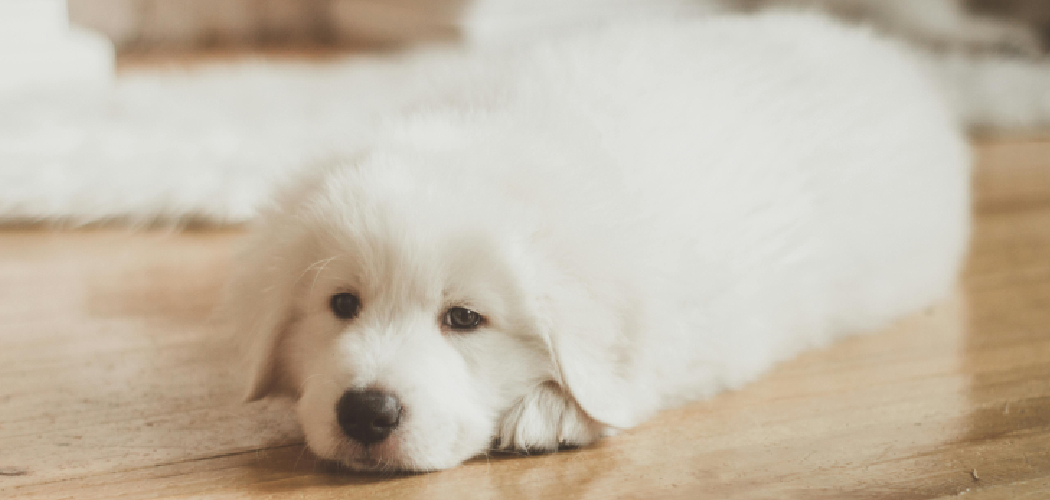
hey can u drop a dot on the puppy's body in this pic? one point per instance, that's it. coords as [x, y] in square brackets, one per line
[644, 216]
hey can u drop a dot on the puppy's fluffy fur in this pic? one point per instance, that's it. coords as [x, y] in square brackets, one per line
[645, 216]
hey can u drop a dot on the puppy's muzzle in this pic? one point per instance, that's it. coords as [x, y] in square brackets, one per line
[368, 416]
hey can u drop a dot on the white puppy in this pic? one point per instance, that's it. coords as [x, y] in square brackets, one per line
[577, 235]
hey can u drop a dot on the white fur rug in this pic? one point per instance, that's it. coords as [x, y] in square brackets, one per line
[171, 147]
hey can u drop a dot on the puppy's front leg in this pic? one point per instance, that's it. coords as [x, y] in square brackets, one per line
[544, 420]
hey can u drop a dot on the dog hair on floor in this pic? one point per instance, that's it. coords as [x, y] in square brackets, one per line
[563, 240]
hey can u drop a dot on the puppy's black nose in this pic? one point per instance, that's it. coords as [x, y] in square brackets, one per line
[368, 416]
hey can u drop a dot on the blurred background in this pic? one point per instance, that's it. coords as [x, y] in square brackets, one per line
[189, 110]
[140, 25]
[188, 24]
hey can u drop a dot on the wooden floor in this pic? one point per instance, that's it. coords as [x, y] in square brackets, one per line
[110, 387]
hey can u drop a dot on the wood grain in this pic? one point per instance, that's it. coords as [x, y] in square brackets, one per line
[111, 385]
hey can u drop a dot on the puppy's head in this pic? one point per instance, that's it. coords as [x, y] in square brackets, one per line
[414, 329]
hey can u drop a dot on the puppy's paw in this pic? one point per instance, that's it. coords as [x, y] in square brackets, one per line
[544, 420]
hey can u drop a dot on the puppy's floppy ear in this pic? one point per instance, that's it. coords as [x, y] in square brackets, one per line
[258, 303]
[592, 342]
[256, 310]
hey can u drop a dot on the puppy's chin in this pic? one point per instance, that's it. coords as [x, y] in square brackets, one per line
[398, 453]
[391, 455]
[413, 447]
[542, 421]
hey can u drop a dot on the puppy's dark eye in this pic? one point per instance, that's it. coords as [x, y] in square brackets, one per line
[345, 305]
[461, 318]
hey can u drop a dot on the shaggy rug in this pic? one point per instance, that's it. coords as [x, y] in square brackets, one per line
[175, 146]
[170, 145]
